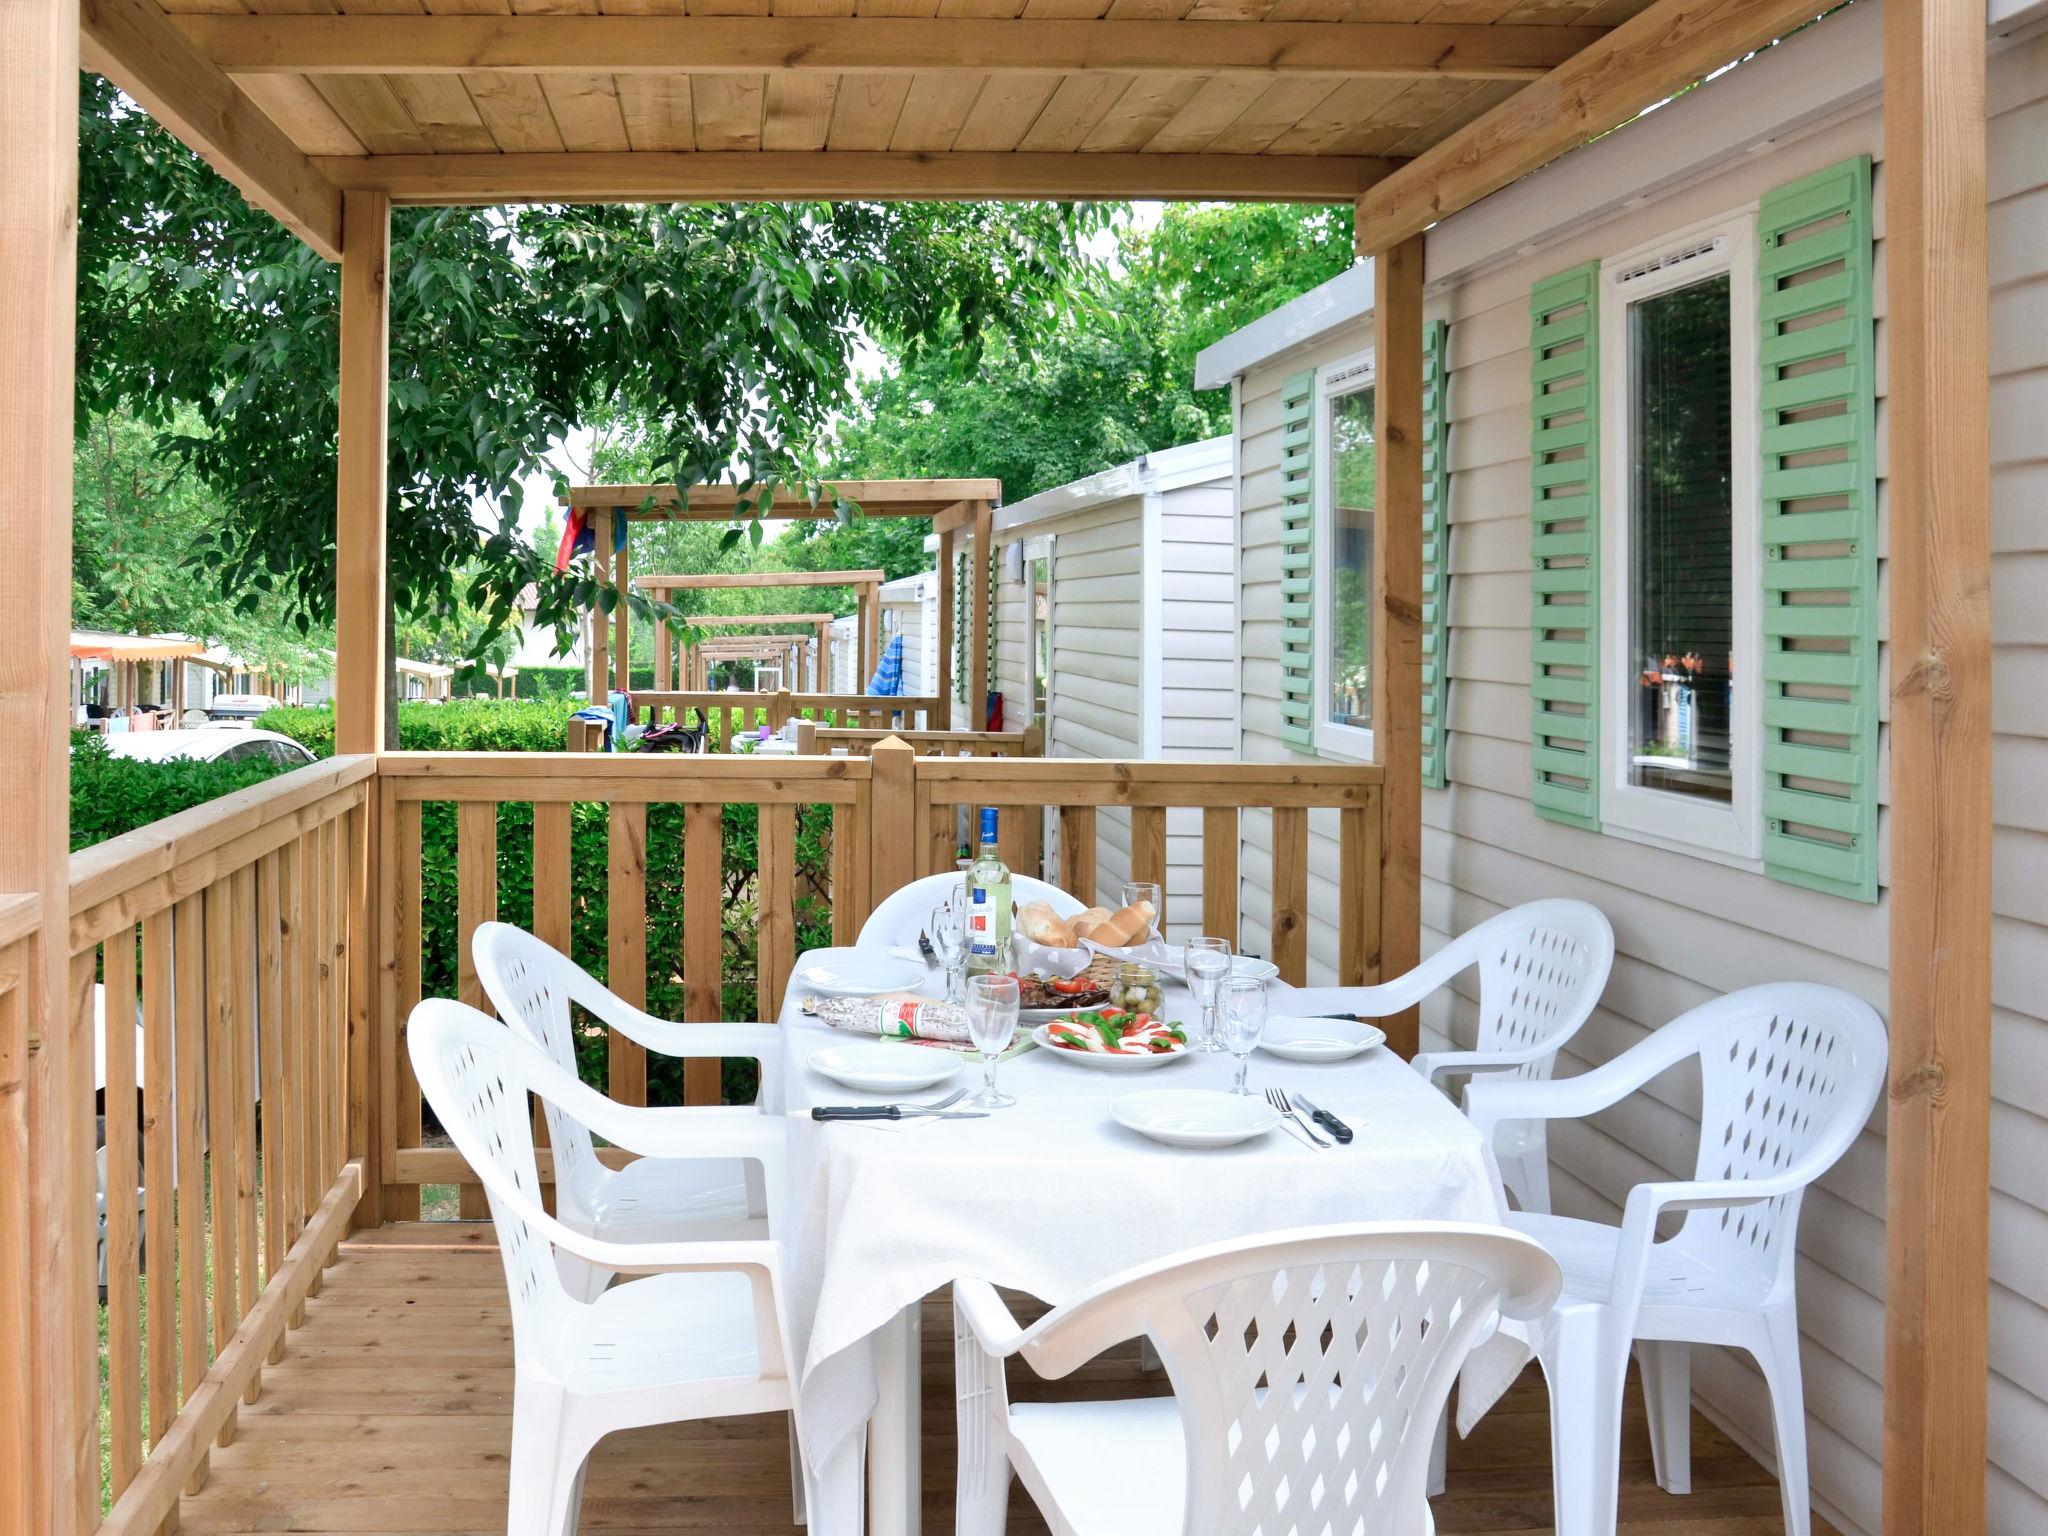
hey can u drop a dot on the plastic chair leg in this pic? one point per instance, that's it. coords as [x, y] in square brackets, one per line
[1586, 1382]
[540, 1471]
[796, 1474]
[571, 1512]
[1786, 1380]
[1439, 1451]
[1667, 1398]
[581, 1279]
[1527, 1177]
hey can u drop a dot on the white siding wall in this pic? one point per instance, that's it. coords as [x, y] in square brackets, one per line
[907, 619]
[1198, 672]
[1094, 701]
[1688, 929]
[1013, 662]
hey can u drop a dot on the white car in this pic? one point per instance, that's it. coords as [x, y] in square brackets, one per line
[240, 706]
[209, 746]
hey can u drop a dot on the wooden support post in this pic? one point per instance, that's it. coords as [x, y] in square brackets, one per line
[1397, 612]
[1937, 1145]
[943, 672]
[860, 640]
[359, 659]
[978, 574]
[600, 629]
[892, 819]
[662, 674]
[49, 1452]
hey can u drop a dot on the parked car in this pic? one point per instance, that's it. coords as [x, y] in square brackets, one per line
[209, 745]
[240, 706]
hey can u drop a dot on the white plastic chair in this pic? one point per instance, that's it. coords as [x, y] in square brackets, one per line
[908, 908]
[661, 1200]
[1309, 1370]
[1542, 968]
[1788, 1075]
[704, 1336]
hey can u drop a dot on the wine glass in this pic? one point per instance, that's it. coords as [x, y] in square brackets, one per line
[1135, 891]
[991, 1022]
[1206, 962]
[949, 938]
[1242, 1006]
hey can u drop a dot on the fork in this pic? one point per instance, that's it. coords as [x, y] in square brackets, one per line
[1278, 1100]
[939, 1109]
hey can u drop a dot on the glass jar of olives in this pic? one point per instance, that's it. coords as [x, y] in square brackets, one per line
[1136, 988]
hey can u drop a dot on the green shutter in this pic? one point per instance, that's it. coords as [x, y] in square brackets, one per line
[1818, 403]
[1436, 555]
[1297, 560]
[1564, 545]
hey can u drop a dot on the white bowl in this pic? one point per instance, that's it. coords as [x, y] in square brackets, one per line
[1308, 1039]
[878, 1067]
[860, 975]
[1103, 1060]
[1194, 1117]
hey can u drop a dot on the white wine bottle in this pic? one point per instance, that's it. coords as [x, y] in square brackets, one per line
[988, 904]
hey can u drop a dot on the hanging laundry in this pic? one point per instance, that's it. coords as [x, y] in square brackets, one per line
[888, 679]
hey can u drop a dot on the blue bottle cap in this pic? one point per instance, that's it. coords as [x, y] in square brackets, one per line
[988, 824]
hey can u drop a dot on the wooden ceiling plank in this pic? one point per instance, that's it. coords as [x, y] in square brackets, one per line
[1141, 112]
[1073, 112]
[1005, 110]
[883, 175]
[1322, 132]
[935, 110]
[1217, 104]
[730, 110]
[1278, 108]
[743, 45]
[1667, 47]
[658, 111]
[295, 104]
[587, 111]
[134, 45]
[798, 112]
[515, 109]
[864, 116]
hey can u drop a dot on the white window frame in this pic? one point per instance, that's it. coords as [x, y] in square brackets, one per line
[1731, 833]
[1346, 376]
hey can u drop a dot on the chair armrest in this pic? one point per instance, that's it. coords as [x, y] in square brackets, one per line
[711, 1132]
[1646, 1202]
[665, 1037]
[1491, 1100]
[978, 1305]
[1432, 1063]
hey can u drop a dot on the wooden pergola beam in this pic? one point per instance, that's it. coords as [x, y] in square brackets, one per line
[137, 47]
[653, 176]
[1937, 1141]
[1653, 54]
[877, 498]
[892, 45]
[753, 579]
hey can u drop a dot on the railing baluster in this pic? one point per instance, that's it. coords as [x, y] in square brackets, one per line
[626, 941]
[242, 904]
[190, 968]
[1290, 893]
[1219, 872]
[124, 1299]
[159, 1121]
[222, 949]
[476, 901]
[703, 938]
[270, 1032]
[775, 895]
[1077, 852]
[1358, 859]
[551, 821]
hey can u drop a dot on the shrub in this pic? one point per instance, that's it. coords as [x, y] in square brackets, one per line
[112, 795]
[463, 725]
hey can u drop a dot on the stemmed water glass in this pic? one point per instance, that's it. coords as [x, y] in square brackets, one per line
[1206, 962]
[991, 1022]
[1135, 891]
[949, 938]
[1242, 1007]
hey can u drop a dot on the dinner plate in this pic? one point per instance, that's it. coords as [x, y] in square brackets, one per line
[1305, 1039]
[1252, 968]
[1103, 1060]
[861, 975]
[879, 1067]
[1194, 1117]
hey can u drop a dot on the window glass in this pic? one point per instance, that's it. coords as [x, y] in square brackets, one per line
[1681, 540]
[1347, 648]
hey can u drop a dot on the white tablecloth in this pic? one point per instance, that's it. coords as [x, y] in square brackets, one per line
[1052, 1196]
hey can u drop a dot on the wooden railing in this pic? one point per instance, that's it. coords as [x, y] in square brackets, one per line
[622, 861]
[729, 713]
[225, 932]
[814, 740]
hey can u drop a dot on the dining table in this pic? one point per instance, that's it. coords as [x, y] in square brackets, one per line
[1050, 1197]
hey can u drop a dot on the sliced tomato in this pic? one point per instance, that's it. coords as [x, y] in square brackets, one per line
[1077, 985]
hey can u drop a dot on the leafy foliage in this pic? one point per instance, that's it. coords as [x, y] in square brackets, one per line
[729, 328]
[113, 795]
[461, 725]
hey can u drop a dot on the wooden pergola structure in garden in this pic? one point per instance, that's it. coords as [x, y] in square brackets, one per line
[673, 670]
[957, 509]
[866, 585]
[329, 120]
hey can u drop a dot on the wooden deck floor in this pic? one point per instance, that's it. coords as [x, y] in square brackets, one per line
[391, 1413]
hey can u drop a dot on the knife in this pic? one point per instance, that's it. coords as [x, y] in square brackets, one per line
[891, 1112]
[1329, 1122]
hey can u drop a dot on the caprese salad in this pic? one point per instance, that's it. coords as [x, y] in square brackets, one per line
[1114, 1032]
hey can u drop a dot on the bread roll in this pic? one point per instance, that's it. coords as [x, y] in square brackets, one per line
[1085, 923]
[1133, 925]
[1037, 921]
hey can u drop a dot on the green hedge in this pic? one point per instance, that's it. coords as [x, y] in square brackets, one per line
[462, 725]
[112, 795]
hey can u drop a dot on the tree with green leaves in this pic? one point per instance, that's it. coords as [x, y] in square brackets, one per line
[731, 329]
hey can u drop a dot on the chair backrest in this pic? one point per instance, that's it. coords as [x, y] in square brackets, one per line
[1542, 968]
[1789, 1073]
[1310, 1367]
[477, 1074]
[531, 984]
[904, 910]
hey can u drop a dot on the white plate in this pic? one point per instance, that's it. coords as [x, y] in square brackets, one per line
[1194, 1117]
[1251, 968]
[879, 1067]
[1103, 1059]
[1302, 1039]
[861, 975]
